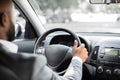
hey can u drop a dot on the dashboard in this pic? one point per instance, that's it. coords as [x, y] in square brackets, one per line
[104, 55]
[103, 62]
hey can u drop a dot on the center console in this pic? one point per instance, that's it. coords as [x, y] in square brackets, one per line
[108, 63]
[107, 56]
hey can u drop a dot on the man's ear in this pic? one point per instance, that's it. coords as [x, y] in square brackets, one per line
[4, 20]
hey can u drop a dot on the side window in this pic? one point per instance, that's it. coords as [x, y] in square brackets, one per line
[20, 25]
[23, 28]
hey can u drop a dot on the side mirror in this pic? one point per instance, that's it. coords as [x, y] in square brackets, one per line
[104, 1]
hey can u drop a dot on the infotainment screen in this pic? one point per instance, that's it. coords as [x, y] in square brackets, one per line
[109, 51]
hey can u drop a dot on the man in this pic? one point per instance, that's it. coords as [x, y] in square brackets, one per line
[28, 66]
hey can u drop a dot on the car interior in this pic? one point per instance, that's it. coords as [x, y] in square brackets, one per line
[33, 37]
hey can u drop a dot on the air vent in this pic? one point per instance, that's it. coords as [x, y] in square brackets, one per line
[95, 52]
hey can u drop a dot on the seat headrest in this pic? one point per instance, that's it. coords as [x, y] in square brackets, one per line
[9, 47]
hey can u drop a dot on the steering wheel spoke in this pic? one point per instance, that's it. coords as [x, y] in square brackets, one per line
[40, 50]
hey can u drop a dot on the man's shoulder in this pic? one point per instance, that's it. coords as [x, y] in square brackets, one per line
[6, 46]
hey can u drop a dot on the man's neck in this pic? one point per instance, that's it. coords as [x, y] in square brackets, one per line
[2, 34]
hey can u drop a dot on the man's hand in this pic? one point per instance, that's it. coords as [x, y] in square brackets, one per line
[80, 51]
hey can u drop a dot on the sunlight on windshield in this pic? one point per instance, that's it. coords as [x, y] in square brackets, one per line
[77, 14]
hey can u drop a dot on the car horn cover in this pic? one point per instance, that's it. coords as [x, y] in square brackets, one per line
[56, 54]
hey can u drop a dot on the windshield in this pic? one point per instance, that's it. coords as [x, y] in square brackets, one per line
[78, 15]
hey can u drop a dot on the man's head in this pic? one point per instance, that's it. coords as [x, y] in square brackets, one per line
[7, 20]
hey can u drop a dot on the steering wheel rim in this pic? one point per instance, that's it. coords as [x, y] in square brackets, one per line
[39, 44]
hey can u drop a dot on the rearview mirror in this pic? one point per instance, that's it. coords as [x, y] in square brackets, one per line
[104, 1]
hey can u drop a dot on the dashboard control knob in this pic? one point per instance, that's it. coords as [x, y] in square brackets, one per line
[108, 72]
[117, 71]
[100, 69]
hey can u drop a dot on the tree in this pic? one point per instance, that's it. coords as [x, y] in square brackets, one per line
[55, 4]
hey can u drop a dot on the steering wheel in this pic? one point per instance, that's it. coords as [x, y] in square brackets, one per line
[57, 55]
